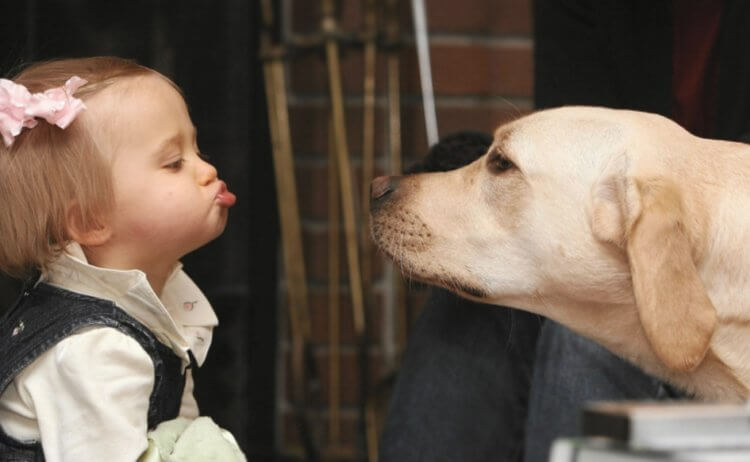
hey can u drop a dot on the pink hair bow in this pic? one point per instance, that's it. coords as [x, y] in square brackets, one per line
[19, 108]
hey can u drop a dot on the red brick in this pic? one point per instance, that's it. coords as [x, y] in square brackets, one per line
[472, 17]
[349, 370]
[312, 183]
[309, 73]
[309, 130]
[320, 316]
[315, 244]
[476, 70]
[306, 15]
[485, 119]
[311, 180]
[472, 68]
[480, 17]
[309, 126]
[451, 119]
[310, 123]
[347, 442]
[481, 80]
[349, 383]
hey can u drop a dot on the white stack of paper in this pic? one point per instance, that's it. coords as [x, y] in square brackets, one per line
[669, 425]
[658, 432]
[604, 450]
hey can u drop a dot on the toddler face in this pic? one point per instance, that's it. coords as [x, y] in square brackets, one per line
[168, 199]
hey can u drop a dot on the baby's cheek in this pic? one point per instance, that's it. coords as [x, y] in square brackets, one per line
[145, 228]
[152, 222]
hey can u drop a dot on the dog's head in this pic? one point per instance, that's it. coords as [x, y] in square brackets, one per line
[573, 205]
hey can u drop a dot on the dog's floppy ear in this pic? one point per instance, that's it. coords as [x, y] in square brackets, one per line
[646, 219]
[676, 313]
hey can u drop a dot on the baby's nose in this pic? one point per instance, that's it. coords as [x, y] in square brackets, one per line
[207, 172]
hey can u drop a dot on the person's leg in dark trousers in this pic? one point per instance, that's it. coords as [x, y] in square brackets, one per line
[570, 371]
[462, 389]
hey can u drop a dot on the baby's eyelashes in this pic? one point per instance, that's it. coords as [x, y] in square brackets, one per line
[176, 164]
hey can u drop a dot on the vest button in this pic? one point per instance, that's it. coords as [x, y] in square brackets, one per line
[18, 329]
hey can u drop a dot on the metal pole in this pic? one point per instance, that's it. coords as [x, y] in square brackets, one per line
[425, 74]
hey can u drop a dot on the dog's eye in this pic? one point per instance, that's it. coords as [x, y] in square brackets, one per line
[498, 163]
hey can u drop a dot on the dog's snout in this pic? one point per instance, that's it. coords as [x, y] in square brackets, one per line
[381, 188]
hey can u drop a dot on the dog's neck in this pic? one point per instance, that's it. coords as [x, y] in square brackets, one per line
[722, 375]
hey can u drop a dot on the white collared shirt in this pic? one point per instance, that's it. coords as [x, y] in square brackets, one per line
[87, 397]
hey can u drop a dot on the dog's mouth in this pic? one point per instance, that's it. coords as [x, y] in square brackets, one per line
[412, 271]
[463, 289]
[459, 287]
[404, 238]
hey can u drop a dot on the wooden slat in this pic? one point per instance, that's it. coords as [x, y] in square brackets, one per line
[334, 276]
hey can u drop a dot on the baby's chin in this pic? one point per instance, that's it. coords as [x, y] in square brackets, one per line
[219, 230]
[205, 239]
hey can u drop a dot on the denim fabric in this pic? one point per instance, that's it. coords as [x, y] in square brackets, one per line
[43, 316]
[462, 389]
[471, 387]
[570, 371]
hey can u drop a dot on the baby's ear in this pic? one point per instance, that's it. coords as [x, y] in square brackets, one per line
[85, 232]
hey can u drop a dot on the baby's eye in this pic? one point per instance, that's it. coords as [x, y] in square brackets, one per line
[176, 165]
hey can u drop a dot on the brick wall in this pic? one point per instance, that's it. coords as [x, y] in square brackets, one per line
[481, 53]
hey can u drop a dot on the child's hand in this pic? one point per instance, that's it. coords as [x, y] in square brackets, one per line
[183, 440]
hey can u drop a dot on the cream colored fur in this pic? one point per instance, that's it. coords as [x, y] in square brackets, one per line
[618, 224]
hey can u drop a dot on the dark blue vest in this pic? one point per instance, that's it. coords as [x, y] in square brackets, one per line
[42, 316]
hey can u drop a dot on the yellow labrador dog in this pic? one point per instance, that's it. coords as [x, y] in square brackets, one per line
[618, 224]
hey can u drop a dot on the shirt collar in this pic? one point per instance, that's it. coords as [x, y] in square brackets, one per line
[182, 318]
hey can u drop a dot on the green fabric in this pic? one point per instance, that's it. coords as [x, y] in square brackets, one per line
[184, 440]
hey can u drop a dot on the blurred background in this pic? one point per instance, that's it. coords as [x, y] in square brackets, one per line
[300, 368]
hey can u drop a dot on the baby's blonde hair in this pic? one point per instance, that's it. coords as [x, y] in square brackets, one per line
[48, 170]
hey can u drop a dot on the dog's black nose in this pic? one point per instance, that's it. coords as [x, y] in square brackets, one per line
[381, 187]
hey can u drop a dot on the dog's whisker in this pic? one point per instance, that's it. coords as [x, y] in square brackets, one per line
[518, 114]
